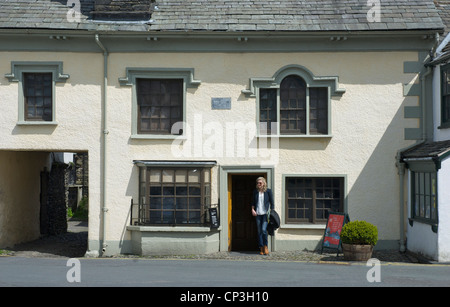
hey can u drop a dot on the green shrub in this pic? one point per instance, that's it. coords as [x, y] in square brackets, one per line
[82, 210]
[359, 232]
[69, 213]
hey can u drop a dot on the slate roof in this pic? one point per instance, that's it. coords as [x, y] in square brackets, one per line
[288, 15]
[437, 150]
[443, 51]
[443, 7]
[229, 15]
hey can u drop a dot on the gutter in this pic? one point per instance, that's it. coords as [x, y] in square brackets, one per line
[440, 56]
[105, 132]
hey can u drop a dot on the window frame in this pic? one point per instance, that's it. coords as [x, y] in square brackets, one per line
[427, 187]
[19, 69]
[263, 128]
[313, 222]
[312, 81]
[134, 73]
[27, 98]
[445, 122]
[158, 104]
[145, 185]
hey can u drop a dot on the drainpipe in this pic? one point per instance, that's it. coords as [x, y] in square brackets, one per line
[401, 173]
[424, 113]
[105, 132]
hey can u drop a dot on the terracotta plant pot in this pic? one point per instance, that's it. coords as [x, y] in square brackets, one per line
[355, 252]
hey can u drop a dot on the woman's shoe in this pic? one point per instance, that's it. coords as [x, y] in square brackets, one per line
[266, 250]
[261, 250]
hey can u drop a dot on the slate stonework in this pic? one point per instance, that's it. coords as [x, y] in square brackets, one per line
[122, 10]
[56, 200]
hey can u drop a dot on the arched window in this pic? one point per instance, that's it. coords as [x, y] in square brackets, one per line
[294, 102]
[302, 110]
[293, 105]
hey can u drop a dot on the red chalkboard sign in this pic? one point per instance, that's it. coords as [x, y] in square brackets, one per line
[332, 235]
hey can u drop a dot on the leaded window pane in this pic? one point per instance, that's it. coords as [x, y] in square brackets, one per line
[309, 199]
[37, 90]
[176, 196]
[160, 104]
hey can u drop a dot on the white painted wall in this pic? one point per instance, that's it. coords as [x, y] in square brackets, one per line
[444, 211]
[439, 134]
[420, 237]
[367, 127]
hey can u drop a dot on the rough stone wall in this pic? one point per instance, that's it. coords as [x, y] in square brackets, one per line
[56, 200]
[82, 171]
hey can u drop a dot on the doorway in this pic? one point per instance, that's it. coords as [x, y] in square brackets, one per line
[242, 226]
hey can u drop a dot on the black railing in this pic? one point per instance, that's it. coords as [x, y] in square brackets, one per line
[140, 216]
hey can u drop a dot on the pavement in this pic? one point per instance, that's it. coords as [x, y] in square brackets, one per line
[73, 244]
[59, 261]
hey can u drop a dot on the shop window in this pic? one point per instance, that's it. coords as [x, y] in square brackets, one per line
[174, 196]
[424, 196]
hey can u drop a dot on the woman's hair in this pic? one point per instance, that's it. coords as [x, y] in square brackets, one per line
[264, 183]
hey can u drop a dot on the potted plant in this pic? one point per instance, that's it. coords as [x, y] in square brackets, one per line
[358, 239]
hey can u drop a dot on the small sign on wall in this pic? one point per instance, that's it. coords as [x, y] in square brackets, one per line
[213, 218]
[223, 103]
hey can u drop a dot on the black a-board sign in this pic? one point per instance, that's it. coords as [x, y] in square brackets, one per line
[213, 218]
[333, 228]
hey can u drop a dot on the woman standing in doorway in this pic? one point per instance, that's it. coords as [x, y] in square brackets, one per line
[262, 201]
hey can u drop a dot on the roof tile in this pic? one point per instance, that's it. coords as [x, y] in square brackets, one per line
[226, 15]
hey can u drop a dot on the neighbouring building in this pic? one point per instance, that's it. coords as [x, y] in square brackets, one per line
[427, 162]
[181, 105]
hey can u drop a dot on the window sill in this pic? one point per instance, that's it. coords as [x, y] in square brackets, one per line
[303, 226]
[300, 136]
[157, 137]
[433, 224]
[444, 126]
[36, 123]
[171, 228]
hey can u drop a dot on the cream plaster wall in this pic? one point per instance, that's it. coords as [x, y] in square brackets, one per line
[78, 114]
[19, 195]
[78, 104]
[367, 126]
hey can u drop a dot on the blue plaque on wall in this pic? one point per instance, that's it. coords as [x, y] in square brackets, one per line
[221, 103]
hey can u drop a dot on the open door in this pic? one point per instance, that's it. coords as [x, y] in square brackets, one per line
[242, 227]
